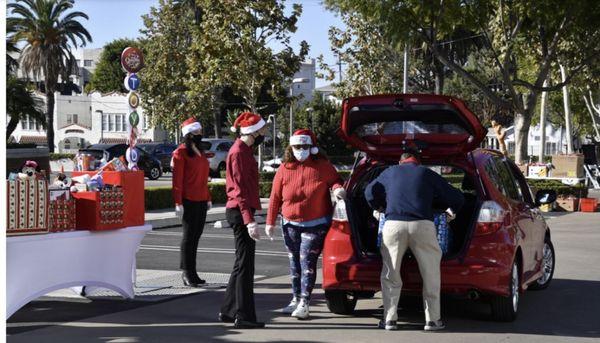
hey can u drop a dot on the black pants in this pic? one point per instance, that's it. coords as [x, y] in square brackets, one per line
[194, 217]
[239, 296]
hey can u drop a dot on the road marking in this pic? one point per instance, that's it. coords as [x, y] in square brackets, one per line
[207, 235]
[212, 250]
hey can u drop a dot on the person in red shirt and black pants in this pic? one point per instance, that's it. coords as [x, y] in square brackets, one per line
[301, 192]
[191, 196]
[242, 201]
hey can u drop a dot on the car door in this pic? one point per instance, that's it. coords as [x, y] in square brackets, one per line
[538, 224]
[521, 215]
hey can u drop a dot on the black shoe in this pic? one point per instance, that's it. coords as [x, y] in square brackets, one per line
[190, 282]
[225, 318]
[389, 325]
[244, 324]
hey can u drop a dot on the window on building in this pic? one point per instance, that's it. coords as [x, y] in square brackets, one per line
[124, 122]
[111, 122]
[511, 148]
[119, 122]
[87, 63]
[67, 143]
[31, 123]
[104, 122]
[550, 148]
[146, 123]
[75, 121]
[536, 138]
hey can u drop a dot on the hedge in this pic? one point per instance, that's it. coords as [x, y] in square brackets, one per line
[161, 197]
[560, 188]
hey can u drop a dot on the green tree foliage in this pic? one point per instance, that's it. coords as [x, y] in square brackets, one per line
[108, 75]
[49, 30]
[21, 104]
[525, 39]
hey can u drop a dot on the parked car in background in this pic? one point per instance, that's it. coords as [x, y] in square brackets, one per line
[501, 244]
[149, 164]
[216, 151]
[162, 151]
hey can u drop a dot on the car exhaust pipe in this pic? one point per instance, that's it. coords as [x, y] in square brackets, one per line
[473, 295]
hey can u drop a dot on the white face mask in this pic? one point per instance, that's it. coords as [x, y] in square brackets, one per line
[300, 155]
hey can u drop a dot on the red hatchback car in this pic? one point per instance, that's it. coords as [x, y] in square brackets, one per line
[500, 242]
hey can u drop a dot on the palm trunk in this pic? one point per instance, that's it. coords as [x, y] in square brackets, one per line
[12, 125]
[50, 117]
[522, 124]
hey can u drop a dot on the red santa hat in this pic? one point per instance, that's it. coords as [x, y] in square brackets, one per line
[190, 125]
[304, 137]
[248, 123]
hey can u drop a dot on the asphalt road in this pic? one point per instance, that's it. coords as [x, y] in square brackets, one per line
[568, 311]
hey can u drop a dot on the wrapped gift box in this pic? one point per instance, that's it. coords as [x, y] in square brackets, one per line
[63, 211]
[27, 207]
[103, 210]
[567, 165]
[132, 185]
[568, 204]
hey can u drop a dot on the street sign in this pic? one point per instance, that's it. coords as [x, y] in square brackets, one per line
[132, 82]
[134, 119]
[132, 59]
[134, 100]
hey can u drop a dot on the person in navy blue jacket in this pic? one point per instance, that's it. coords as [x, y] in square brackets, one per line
[408, 193]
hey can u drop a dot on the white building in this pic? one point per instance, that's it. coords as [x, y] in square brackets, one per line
[328, 93]
[81, 120]
[556, 140]
[305, 89]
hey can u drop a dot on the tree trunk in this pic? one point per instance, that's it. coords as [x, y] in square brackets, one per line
[12, 125]
[521, 129]
[50, 117]
[439, 77]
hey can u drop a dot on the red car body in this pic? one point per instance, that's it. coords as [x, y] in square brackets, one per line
[484, 264]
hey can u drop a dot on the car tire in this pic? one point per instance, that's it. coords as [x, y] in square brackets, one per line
[154, 173]
[340, 302]
[548, 263]
[504, 309]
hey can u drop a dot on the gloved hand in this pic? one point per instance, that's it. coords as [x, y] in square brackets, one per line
[208, 205]
[339, 193]
[270, 230]
[450, 215]
[179, 211]
[376, 214]
[253, 231]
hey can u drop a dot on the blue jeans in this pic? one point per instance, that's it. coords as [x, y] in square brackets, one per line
[304, 245]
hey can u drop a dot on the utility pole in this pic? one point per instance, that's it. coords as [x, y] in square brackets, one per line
[543, 123]
[568, 128]
[405, 72]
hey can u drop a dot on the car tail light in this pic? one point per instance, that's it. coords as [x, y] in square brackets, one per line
[209, 154]
[339, 211]
[491, 218]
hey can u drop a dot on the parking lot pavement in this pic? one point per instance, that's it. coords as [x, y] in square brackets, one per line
[565, 312]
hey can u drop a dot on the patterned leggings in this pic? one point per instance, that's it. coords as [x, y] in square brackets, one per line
[304, 245]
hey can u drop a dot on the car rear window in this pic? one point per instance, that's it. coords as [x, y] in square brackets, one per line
[408, 127]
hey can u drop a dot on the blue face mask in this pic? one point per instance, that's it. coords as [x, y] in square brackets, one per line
[300, 154]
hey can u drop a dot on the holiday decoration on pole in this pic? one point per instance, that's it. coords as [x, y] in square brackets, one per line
[132, 61]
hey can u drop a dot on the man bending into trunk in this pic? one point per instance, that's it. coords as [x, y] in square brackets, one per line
[407, 194]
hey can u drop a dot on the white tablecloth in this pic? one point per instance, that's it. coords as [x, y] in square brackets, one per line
[39, 264]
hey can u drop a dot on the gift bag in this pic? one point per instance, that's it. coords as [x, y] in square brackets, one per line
[27, 206]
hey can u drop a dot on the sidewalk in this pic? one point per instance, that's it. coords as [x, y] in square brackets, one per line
[166, 218]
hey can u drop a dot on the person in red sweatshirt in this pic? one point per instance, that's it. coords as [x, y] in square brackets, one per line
[191, 196]
[301, 193]
[241, 185]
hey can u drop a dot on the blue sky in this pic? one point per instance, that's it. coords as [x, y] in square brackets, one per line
[111, 19]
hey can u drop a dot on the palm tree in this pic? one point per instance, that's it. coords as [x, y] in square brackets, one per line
[49, 32]
[21, 104]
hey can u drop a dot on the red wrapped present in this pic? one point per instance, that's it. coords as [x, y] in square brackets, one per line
[27, 206]
[103, 210]
[63, 211]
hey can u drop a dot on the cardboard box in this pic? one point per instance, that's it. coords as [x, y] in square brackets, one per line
[26, 207]
[568, 165]
[100, 210]
[538, 170]
[568, 204]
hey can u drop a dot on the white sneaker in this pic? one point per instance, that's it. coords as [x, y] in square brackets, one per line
[301, 312]
[435, 326]
[291, 307]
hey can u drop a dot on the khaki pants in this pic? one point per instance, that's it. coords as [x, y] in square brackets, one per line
[420, 237]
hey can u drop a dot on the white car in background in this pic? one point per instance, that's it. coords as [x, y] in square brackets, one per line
[217, 150]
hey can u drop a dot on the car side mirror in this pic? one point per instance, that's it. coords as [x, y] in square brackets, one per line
[544, 196]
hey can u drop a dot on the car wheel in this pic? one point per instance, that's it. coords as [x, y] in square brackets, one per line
[504, 309]
[548, 262]
[154, 173]
[340, 302]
